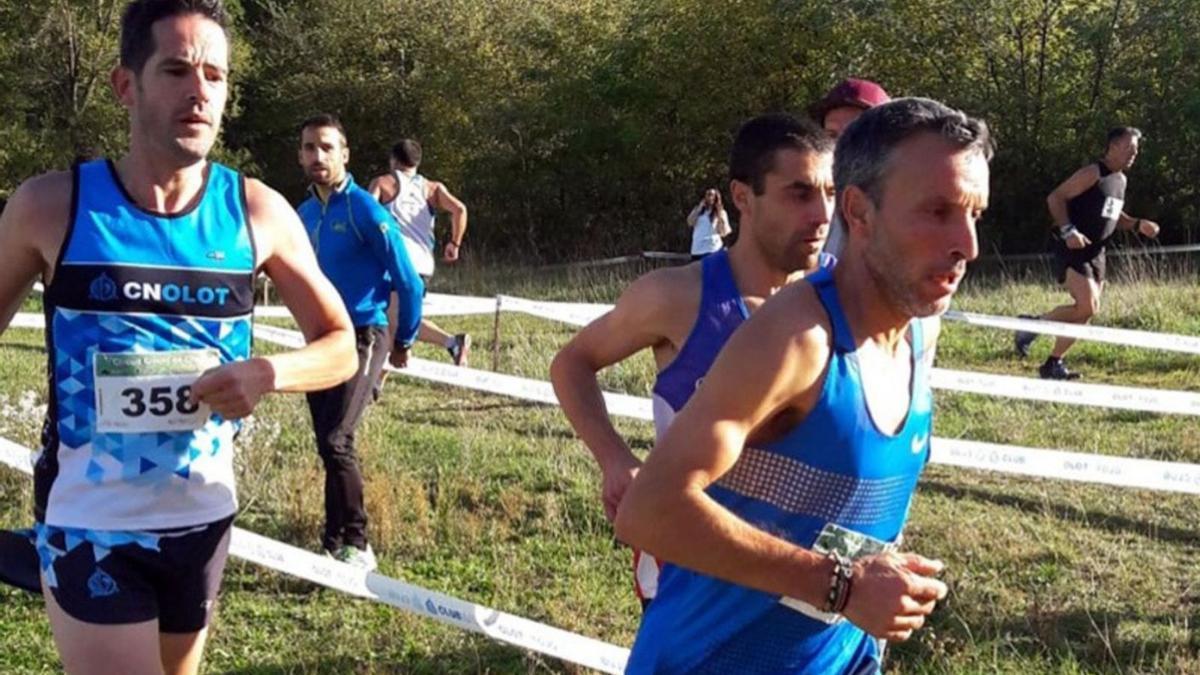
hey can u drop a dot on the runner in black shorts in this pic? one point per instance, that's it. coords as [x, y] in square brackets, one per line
[149, 262]
[176, 582]
[1087, 210]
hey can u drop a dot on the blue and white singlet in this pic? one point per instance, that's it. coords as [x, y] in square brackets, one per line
[834, 467]
[140, 304]
[722, 310]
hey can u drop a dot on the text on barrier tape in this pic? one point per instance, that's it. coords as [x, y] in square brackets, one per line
[1172, 342]
[339, 576]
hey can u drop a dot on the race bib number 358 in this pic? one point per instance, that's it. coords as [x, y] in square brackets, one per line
[150, 392]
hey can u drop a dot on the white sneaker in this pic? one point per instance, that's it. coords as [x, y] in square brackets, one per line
[357, 557]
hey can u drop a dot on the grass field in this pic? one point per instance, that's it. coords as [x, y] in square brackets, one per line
[493, 500]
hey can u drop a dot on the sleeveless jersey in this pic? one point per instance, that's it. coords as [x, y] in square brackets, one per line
[1095, 212]
[411, 208]
[834, 468]
[140, 304]
[721, 312]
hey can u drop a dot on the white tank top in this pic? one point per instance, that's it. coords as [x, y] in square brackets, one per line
[412, 211]
[704, 235]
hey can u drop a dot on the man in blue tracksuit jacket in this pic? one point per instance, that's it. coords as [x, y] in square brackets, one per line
[359, 248]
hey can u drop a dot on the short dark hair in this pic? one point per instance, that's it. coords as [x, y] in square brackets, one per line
[757, 141]
[322, 120]
[865, 148]
[137, 24]
[1117, 133]
[407, 152]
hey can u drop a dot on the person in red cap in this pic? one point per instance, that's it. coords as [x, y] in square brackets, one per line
[841, 106]
[845, 102]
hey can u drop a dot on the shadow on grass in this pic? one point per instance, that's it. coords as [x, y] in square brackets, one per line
[1114, 524]
[22, 347]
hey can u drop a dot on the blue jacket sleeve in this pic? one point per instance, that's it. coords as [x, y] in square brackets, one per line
[382, 234]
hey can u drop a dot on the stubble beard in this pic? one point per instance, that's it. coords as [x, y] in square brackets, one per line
[898, 292]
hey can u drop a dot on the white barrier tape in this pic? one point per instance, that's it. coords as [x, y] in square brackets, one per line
[1146, 251]
[318, 569]
[1173, 342]
[581, 314]
[1119, 471]
[479, 380]
[1073, 466]
[442, 304]
[574, 313]
[27, 320]
[16, 456]
[1056, 391]
[1052, 391]
[497, 625]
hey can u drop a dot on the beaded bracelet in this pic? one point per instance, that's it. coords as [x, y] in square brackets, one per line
[839, 583]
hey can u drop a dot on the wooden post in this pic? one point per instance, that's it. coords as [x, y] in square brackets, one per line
[496, 338]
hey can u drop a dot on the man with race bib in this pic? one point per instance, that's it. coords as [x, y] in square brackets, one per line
[778, 494]
[149, 264]
[1088, 208]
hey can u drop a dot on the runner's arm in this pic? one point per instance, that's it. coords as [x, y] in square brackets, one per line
[384, 239]
[1077, 184]
[695, 214]
[383, 188]
[772, 365]
[634, 324]
[37, 211]
[286, 256]
[442, 199]
[1144, 226]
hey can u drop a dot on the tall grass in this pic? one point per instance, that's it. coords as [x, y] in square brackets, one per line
[493, 500]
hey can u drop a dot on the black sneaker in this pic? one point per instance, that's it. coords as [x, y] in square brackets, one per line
[460, 350]
[1055, 369]
[1022, 339]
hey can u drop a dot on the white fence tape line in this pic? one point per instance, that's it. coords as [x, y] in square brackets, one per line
[1056, 391]
[1146, 251]
[1189, 344]
[479, 380]
[339, 576]
[469, 616]
[580, 314]
[1094, 395]
[27, 320]
[1073, 466]
[16, 456]
[574, 313]
[442, 304]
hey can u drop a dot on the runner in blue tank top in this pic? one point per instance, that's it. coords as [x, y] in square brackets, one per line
[149, 266]
[780, 492]
[685, 314]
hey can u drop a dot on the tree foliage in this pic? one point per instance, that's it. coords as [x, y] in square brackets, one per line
[582, 127]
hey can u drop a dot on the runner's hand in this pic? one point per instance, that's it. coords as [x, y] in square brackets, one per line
[616, 481]
[1076, 240]
[1148, 228]
[892, 593]
[399, 357]
[233, 389]
[450, 252]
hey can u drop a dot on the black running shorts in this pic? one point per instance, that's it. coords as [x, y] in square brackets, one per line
[132, 582]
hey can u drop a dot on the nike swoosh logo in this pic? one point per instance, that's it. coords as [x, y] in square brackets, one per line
[918, 443]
